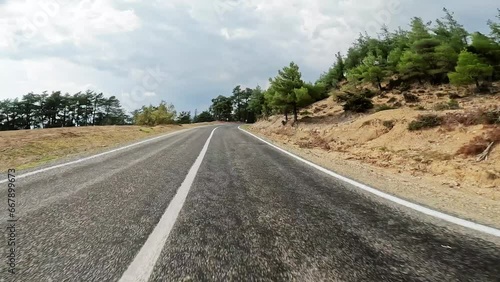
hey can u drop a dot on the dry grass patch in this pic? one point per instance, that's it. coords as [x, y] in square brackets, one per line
[474, 117]
[24, 149]
[315, 141]
[477, 145]
[285, 131]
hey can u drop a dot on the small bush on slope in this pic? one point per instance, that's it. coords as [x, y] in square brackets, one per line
[358, 104]
[383, 107]
[425, 122]
[477, 145]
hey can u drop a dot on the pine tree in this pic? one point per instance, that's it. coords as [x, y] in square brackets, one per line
[371, 70]
[284, 85]
[469, 70]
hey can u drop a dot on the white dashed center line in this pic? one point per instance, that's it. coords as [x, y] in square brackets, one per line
[142, 266]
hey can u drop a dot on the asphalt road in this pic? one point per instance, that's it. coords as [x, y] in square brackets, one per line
[251, 214]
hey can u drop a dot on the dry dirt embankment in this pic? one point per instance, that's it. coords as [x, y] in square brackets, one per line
[24, 149]
[435, 166]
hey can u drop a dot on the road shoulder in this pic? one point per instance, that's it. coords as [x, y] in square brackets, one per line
[424, 191]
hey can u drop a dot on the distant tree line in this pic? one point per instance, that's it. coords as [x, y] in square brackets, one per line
[165, 113]
[439, 53]
[87, 108]
[58, 110]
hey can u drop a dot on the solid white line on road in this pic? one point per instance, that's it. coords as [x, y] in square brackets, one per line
[98, 155]
[142, 266]
[422, 209]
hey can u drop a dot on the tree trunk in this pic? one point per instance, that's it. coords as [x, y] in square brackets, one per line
[94, 111]
[295, 114]
[379, 83]
[477, 84]
[64, 117]
[286, 115]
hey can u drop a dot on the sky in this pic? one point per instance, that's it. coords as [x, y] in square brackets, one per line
[188, 52]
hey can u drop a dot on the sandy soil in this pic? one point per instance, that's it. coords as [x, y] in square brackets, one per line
[421, 166]
[24, 149]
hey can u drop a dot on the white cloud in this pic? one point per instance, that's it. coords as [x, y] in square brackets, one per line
[237, 33]
[51, 22]
[43, 74]
[149, 94]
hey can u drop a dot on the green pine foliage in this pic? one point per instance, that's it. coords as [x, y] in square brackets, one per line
[469, 70]
[204, 116]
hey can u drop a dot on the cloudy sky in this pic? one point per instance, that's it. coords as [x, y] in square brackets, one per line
[187, 52]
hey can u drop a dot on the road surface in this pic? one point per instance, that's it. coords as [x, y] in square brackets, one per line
[251, 213]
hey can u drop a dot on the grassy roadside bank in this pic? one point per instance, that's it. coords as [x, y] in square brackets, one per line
[24, 149]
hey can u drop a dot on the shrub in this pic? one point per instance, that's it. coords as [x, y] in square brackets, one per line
[453, 104]
[366, 123]
[305, 113]
[481, 116]
[425, 122]
[477, 145]
[450, 105]
[389, 124]
[404, 86]
[491, 117]
[392, 100]
[484, 88]
[341, 97]
[358, 104]
[383, 107]
[410, 98]
[441, 107]
[368, 93]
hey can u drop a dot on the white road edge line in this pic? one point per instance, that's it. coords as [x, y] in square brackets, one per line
[100, 154]
[143, 264]
[422, 209]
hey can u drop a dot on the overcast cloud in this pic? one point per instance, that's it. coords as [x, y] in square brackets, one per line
[187, 52]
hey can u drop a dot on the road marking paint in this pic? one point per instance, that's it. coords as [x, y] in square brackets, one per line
[422, 209]
[143, 264]
[100, 155]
